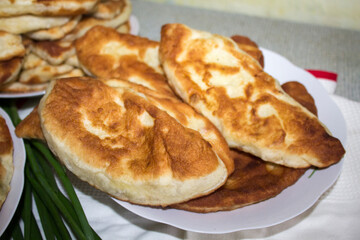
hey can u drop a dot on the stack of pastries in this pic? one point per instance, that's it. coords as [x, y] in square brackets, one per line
[37, 38]
[191, 122]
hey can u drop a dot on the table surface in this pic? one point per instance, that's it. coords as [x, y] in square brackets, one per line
[307, 46]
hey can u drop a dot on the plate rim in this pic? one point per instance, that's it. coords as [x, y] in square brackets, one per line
[17, 182]
[22, 95]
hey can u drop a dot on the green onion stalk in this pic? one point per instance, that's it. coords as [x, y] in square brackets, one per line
[57, 212]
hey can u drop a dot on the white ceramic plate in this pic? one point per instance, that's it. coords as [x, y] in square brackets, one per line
[134, 25]
[21, 95]
[134, 29]
[290, 202]
[17, 183]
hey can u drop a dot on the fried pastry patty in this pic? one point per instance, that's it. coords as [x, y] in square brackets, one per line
[228, 86]
[121, 142]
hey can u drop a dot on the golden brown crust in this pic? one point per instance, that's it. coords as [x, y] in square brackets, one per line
[10, 46]
[54, 52]
[88, 22]
[29, 127]
[105, 53]
[128, 141]
[9, 70]
[110, 8]
[298, 91]
[247, 104]
[55, 33]
[185, 115]
[46, 8]
[250, 47]
[28, 23]
[124, 28]
[6, 145]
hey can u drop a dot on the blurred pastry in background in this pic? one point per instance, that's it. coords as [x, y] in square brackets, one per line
[49, 31]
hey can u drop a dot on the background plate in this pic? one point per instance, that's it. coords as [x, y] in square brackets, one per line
[17, 183]
[134, 25]
[289, 203]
